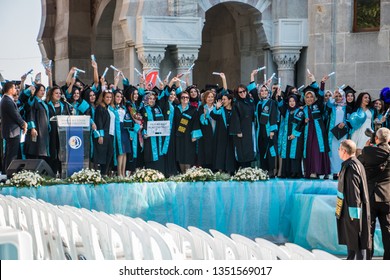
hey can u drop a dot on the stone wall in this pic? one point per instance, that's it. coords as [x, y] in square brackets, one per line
[360, 60]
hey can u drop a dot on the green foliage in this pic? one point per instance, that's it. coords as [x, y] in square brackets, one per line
[368, 14]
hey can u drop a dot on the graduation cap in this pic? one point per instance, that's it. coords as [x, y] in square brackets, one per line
[348, 89]
[288, 89]
[156, 90]
[309, 88]
[210, 86]
[339, 132]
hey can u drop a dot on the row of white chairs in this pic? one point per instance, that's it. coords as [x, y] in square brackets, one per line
[69, 233]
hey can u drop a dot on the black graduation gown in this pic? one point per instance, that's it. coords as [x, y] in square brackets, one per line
[206, 144]
[353, 232]
[38, 118]
[242, 122]
[103, 153]
[186, 123]
[54, 145]
[170, 156]
[224, 148]
[267, 121]
[291, 151]
[153, 144]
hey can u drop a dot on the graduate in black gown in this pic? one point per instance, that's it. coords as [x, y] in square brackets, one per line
[187, 129]
[267, 116]
[167, 100]
[37, 138]
[104, 138]
[153, 145]
[291, 137]
[224, 159]
[56, 107]
[134, 104]
[242, 127]
[206, 144]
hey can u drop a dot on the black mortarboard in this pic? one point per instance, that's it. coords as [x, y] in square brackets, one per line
[80, 81]
[288, 89]
[348, 89]
[339, 132]
[156, 90]
[311, 89]
[210, 86]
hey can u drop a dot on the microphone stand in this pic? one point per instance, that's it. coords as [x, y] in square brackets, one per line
[67, 103]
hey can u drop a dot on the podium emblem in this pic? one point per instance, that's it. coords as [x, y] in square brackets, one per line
[75, 142]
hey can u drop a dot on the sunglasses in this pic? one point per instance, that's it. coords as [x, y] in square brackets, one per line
[184, 97]
[241, 91]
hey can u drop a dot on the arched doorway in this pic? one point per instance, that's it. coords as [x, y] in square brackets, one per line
[233, 42]
[102, 36]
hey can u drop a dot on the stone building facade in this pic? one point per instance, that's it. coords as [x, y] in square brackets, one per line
[234, 37]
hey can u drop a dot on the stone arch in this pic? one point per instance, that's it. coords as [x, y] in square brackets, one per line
[235, 40]
[46, 33]
[101, 43]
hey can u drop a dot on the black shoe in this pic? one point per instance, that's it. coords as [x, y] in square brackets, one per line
[335, 177]
[326, 177]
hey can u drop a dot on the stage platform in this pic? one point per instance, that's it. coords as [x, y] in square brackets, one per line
[299, 211]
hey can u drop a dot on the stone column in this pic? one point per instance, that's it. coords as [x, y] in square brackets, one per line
[285, 58]
[185, 57]
[151, 56]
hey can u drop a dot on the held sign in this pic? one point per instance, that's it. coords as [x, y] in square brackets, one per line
[159, 128]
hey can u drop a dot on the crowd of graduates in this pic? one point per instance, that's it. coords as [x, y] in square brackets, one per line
[290, 133]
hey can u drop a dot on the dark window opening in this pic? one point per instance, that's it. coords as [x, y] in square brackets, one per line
[367, 15]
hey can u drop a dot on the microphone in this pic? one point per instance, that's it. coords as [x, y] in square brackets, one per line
[65, 100]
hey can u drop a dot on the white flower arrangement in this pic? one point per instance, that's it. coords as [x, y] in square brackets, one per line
[87, 176]
[25, 178]
[250, 174]
[147, 176]
[198, 174]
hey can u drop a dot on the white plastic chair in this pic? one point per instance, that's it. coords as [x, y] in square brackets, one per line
[81, 234]
[160, 248]
[166, 234]
[226, 246]
[323, 255]
[184, 241]
[29, 219]
[100, 236]
[271, 251]
[204, 244]
[247, 248]
[22, 240]
[297, 252]
[120, 241]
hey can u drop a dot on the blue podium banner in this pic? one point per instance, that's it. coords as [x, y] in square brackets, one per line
[75, 149]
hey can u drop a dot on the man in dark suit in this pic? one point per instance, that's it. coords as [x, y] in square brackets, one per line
[11, 124]
[376, 162]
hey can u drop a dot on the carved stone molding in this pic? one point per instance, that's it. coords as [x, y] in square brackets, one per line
[151, 57]
[185, 57]
[286, 57]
